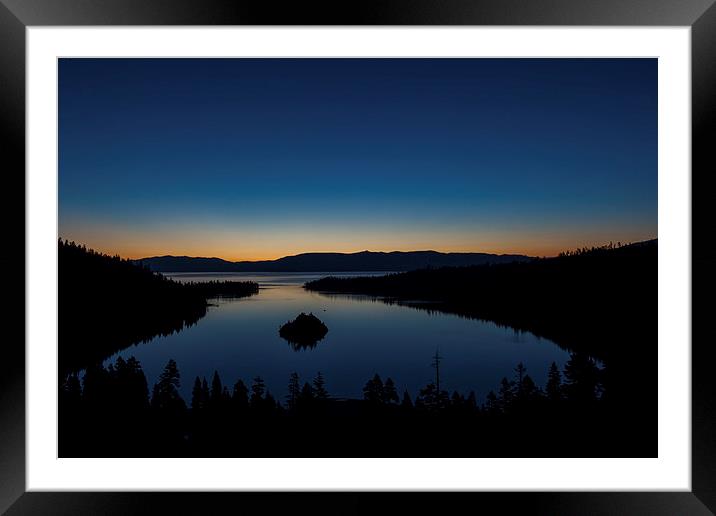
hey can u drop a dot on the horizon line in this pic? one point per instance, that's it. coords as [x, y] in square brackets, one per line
[136, 257]
[327, 252]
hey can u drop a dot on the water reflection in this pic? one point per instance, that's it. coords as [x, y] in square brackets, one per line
[304, 332]
[240, 339]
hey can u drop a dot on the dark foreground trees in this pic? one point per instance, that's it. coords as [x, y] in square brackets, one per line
[599, 302]
[602, 300]
[109, 412]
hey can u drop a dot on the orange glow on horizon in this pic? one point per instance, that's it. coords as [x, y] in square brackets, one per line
[145, 251]
[255, 243]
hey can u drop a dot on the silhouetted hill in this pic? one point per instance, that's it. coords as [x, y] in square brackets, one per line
[106, 303]
[601, 302]
[338, 262]
[590, 299]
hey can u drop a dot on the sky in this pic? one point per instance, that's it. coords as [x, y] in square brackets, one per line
[248, 159]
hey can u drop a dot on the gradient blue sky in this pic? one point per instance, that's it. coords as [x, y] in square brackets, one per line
[261, 158]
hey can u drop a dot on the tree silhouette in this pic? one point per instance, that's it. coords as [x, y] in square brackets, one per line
[530, 391]
[95, 386]
[319, 388]
[225, 396]
[216, 391]
[615, 299]
[258, 388]
[407, 403]
[134, 394]
[492, 403]
[524, 391]
[70, 395]
[294, 391]
[518, 388]
[270, 403]
[390, 395]
[165, 395]
[581, 376]
[554, 383]
[72, 387]
[430, 399]
[240, 396]
[306, 398]
[137, 304]
[471, 401]
[99, 412]
[373, 390]
[198, 402]
[506, 394]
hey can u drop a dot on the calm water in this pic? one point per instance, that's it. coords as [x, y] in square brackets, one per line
[239, 339]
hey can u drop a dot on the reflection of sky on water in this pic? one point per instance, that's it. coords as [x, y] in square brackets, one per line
[239, 339]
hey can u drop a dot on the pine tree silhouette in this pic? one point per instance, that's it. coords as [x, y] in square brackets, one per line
[197, 396]
[165, 395]
[258, 388]
[319, 388]
[554, 383]
[294, 391]
[240, 396]
[390, 395]
[216, 390]
[407, 403]
[373, 390]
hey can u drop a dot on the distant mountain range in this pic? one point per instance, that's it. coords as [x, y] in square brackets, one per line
[333, 262]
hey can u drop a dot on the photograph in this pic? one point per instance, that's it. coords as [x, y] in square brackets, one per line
[315, 257]
[357, 257]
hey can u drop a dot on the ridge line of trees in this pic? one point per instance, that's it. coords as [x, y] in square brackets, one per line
[589, 300]
[116, 399]
[106, 304]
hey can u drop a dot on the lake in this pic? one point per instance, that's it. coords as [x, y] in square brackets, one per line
[239, 339]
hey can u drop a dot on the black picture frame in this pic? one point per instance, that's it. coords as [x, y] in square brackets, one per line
[700, 15]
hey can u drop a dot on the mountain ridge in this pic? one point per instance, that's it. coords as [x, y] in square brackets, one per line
[334, 262]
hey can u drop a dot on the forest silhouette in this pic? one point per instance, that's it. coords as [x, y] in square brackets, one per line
[106, 303]
[599, 304]
[110, 412]
[589, 299]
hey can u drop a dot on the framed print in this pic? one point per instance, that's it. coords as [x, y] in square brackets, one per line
[407, 249]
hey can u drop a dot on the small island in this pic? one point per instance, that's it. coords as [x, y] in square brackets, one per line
[304, 331]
